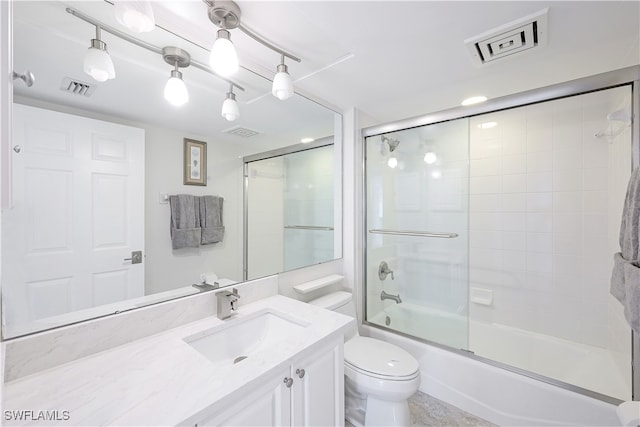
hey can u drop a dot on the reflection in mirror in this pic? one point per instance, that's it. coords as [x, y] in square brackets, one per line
[87, 233]
[289, 210]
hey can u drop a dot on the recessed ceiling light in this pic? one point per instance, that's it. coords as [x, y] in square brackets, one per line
[487, 125]
[474, 100]
[307, 140]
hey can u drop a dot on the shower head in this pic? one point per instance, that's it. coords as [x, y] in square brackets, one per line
[393, 143]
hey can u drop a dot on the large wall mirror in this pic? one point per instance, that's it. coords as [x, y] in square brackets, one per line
[94, 166]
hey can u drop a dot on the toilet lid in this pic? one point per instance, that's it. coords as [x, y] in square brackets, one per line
[379, 357]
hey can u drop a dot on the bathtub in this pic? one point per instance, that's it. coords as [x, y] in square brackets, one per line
[499, 395]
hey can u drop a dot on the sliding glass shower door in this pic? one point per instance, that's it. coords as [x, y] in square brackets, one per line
[496, 233]
[289, 211]
[417, 232]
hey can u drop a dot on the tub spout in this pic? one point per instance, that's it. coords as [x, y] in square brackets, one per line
[384, 296]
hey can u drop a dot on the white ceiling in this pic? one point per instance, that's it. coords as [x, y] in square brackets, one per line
[390, 59]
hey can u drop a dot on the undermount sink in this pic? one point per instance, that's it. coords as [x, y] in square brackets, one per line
[241, 338]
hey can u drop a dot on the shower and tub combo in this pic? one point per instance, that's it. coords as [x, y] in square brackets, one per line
[499, 226]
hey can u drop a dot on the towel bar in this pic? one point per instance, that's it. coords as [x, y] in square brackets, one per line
[415, 233]
[308, 227]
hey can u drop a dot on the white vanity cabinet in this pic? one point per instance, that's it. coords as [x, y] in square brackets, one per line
[308, 392]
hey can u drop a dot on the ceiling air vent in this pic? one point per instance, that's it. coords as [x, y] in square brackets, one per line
[509, 39]
[76, 87]
[242, 132]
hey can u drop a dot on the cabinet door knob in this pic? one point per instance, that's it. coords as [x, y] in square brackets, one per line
[288, 382]
[300, 373]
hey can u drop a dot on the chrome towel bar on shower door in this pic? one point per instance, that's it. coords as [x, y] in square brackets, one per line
[415, 233]
[308, 227]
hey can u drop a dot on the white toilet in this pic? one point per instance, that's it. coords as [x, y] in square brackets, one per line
[379, 376]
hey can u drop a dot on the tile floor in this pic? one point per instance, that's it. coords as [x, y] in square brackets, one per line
[429, 411]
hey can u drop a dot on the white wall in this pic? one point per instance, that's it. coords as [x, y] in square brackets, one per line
[167, 268]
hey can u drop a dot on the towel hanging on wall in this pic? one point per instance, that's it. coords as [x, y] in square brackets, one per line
[625, 278]
[211, 219]
[184, 224]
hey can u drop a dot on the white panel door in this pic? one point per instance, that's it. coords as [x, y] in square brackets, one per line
[77, 214]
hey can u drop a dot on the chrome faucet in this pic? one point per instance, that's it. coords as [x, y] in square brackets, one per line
[384, 296]
[227, 302]
[384, 271]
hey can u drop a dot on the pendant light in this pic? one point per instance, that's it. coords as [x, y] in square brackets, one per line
[230, 110]
[136, 15]
[97, 61]
[282, 87]
[223, 58]
[175, 91]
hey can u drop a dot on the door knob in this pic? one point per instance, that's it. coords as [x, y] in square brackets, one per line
[288, 382]
[136, 257]
[300, 373]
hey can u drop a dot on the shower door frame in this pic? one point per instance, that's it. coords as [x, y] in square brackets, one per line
[622, 77]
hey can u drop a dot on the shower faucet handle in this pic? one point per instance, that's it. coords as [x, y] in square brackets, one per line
[384, 271]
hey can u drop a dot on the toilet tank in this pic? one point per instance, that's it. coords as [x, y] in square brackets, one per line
[340, 302]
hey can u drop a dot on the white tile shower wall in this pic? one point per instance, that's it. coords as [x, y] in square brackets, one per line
[541, 217]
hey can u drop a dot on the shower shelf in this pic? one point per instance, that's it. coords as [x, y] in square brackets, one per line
[415, 233]
[313, 285]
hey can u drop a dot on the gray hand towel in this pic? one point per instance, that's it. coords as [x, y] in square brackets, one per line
[625, 278]
[184, 222]
[211, 219]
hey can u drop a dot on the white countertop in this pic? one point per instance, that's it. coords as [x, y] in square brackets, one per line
[159, 380]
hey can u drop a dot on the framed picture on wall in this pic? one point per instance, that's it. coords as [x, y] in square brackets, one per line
[195, 162]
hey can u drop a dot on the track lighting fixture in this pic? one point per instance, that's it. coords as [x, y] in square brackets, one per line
[230, 110]
[136, 15]
[282, 87]
[175, 91]
[224, 59]
[97, 61]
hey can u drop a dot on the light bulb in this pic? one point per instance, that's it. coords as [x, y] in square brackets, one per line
[135, 15]
[430, 157]
[230, 109]
[98, 63]
[392, 162]
[175, 91]
[223, 58]
[282, 87]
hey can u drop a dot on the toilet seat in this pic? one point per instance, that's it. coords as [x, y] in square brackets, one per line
[380, 359]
